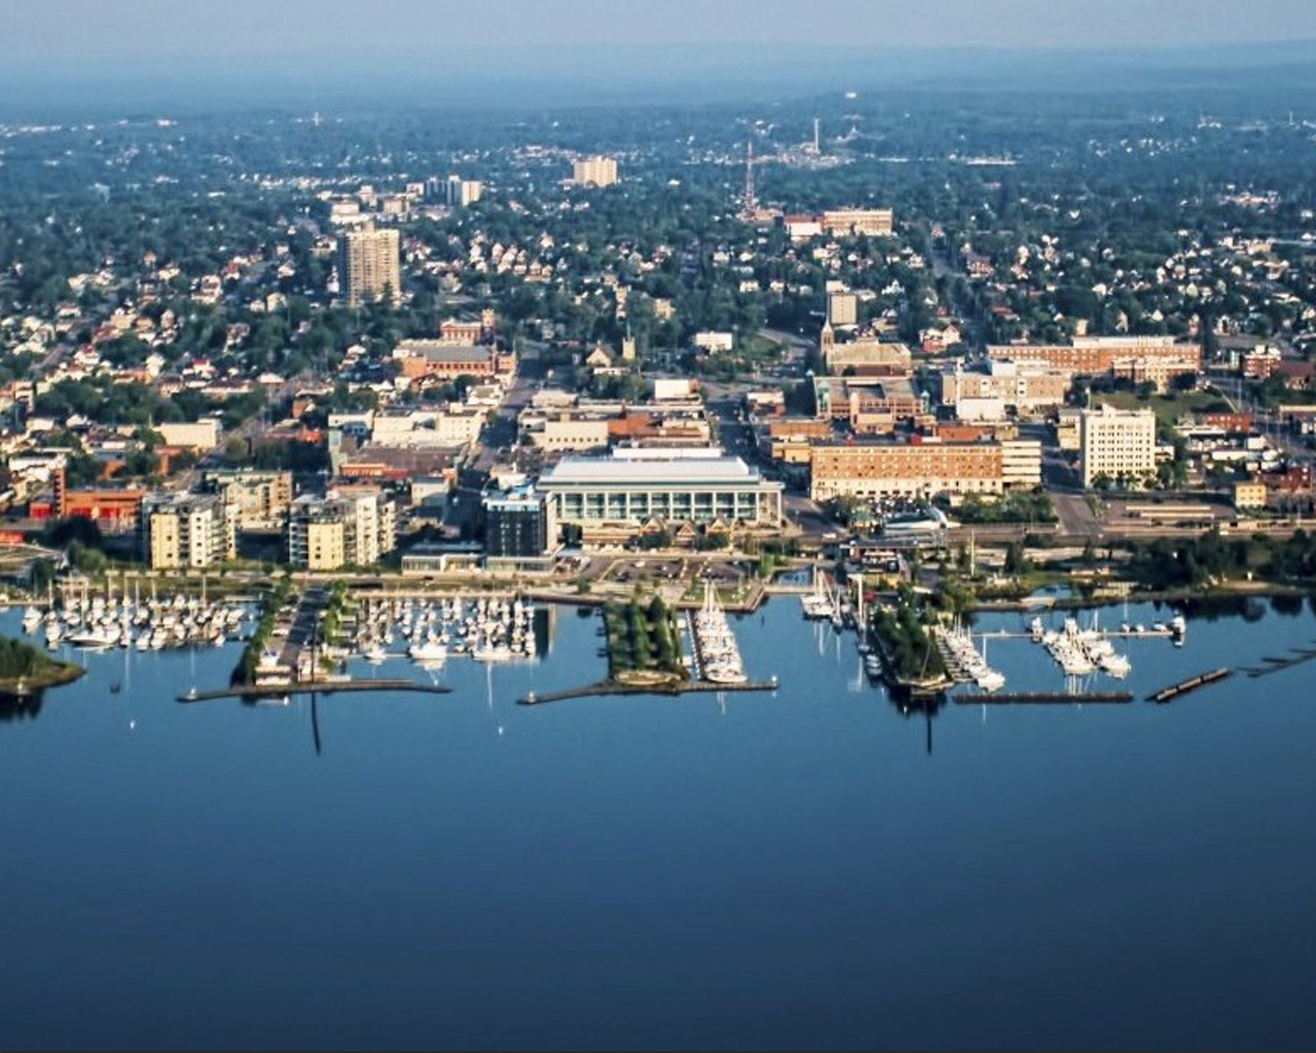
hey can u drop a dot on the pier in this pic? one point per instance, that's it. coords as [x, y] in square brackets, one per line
[1168, 694]
[313, 687]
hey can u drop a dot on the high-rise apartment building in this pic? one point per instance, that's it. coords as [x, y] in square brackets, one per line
[260, 498]
[368, 265]
[597, 170]
[350, 527]
[842, 308]
[1117, 444]
[187, 530]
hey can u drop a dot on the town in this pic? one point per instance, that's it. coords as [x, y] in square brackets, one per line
[736, 350]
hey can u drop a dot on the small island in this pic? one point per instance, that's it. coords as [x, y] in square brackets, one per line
[25, 669]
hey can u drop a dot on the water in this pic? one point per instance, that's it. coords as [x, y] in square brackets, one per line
[776, 871]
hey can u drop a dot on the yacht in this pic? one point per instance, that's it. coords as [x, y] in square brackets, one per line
[429, 650]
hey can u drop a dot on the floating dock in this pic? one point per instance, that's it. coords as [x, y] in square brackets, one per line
[1041, 698]
[607, 687]
[317, 687]
[1168, 694]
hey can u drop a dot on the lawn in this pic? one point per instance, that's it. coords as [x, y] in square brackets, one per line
[1168, 408]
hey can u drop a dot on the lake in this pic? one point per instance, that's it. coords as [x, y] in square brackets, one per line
[811, 868]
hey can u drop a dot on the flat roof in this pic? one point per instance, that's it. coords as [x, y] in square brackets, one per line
[621, 471]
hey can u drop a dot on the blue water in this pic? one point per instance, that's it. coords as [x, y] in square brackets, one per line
[781, 871]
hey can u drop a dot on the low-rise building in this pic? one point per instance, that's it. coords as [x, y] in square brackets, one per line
[921, 469]
[612, 498]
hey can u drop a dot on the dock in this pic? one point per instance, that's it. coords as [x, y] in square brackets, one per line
[1168, 694]
[313, 687]
[608, 687]
[1041, 698]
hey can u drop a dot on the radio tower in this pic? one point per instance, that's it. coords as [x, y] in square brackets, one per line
[817, 144]
[750, 202]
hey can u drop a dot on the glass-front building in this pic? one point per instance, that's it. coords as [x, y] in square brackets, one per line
[627, 490]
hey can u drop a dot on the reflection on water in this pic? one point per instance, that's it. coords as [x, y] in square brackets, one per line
[26, 706]
[797, 869]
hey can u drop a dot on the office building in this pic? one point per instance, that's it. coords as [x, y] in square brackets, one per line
[368, 266]
[1117, 444]
[182, 531]
[596, 170]
[515, 524]
[922, 469]
[1025, 387]
[840, 222]
[1102, 355]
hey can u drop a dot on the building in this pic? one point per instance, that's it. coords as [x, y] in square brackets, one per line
[612, 498]
[842, 308]
[1117, 444]
[1026, 387]
[865, 357]
[1100, 355]
[841, 222]
[458, 192]
[419, 359]
[714, 341]
[922, 469]
[260, 499]
[351, 526]
[202, 435]
[596, 170]
[181, 531]
[369, 265]
[571, 432]
[1250, 495]
[515, 524]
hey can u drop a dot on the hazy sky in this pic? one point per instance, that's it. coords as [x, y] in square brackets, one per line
[60, 32]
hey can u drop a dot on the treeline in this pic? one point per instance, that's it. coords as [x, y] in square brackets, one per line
[18, 659]
[1166, 563]
[642, 638]
[908, 648]
[275, 601]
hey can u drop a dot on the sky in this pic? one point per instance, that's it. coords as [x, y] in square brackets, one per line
[60, 32]
[61, 56]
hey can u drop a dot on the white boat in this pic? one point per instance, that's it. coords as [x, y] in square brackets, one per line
[1116, 665]
[430, 650]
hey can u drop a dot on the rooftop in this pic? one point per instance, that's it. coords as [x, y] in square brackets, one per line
[620, 471]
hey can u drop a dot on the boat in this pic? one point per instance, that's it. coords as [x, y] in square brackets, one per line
[1116, 665]
[430, 650]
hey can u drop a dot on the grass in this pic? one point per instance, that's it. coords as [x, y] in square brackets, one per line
[1169, 407]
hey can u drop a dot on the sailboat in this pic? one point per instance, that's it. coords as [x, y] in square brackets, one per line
[988, 678]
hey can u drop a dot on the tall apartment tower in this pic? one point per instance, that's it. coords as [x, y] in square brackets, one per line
[597, 170]
[368, 267]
